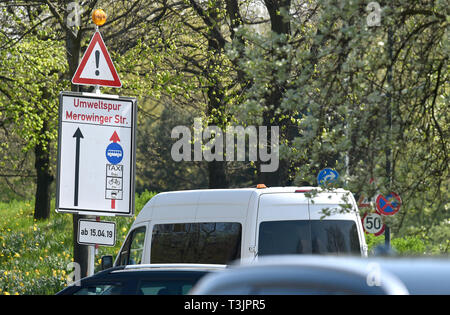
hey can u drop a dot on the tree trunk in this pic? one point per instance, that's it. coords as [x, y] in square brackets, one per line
[273, 98]
[216, 107]
[217, 174]
[80, 252]
[44, 178]
[216, 169]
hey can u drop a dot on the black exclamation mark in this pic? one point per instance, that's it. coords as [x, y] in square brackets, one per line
[97, 61]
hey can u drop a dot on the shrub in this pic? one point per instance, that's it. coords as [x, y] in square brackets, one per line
[35, 255]
[407, 245]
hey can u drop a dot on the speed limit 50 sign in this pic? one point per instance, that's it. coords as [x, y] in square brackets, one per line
[373, 223]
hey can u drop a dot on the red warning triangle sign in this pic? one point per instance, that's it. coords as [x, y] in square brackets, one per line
[96, 66]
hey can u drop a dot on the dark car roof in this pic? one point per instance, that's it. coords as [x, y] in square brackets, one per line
[156, 271]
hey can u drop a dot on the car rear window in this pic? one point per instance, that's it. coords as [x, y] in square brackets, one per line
[180, 286]
[100, 289]
[308, 237]
[214, 243]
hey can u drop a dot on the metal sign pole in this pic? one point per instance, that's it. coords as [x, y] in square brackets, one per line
[387, 237]
[91, 256]
[387, 231]
[95, 69]
[91, 260]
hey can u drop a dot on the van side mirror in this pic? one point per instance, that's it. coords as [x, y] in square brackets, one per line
[107, 262]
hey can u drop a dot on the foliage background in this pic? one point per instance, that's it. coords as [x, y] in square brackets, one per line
[369, 101]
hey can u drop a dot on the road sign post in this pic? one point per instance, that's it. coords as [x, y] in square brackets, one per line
[78, 175]
[90, 128]
[388, 205]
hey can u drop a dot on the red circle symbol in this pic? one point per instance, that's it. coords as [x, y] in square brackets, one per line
[388, 205]
[373, 223]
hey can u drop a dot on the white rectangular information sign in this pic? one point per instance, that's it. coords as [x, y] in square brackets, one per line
[94, 232]
[96, 154]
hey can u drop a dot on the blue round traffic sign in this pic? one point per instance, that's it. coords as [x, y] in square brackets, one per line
[327, 176]
[114, 153]
[388, 205]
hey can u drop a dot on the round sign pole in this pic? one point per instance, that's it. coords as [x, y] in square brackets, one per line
[99, 18]
[387, 236]
[388, 205]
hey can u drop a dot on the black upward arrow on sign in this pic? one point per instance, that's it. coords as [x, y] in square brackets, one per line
[78, 135]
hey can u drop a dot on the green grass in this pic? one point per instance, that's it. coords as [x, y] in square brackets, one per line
[35, 255]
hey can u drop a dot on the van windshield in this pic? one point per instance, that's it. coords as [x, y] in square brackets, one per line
[209, 243]
[308, 237]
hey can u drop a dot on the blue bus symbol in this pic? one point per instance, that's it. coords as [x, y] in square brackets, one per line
[114, 153]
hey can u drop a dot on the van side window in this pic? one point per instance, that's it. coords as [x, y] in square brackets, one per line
[308, 237]
[131, 253]
[214, 243]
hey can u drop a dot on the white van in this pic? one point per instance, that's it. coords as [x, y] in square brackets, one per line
[221, 225]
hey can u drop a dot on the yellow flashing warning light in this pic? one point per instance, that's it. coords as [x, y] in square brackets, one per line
[99, 17]
[259, 186]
